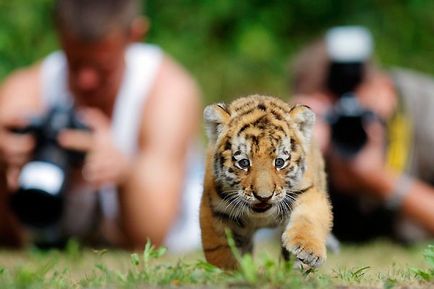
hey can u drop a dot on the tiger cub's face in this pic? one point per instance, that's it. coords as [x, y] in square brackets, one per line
[259, 147]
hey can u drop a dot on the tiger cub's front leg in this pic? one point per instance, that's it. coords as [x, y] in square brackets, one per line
[214, 240]
[306, 233]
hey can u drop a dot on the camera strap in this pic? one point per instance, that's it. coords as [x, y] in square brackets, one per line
[399, 139]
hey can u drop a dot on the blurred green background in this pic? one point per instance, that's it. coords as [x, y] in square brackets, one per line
[240, 47]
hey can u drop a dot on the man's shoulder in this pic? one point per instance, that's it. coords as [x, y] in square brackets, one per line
[22, 81]
[405, 77]
[175, 93]
[173, 78]
[166, 75]
[20, 75]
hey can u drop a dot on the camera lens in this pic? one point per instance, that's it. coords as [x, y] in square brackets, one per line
[38, 201]
[36, 208]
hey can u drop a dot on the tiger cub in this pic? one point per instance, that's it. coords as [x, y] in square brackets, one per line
[263, 170]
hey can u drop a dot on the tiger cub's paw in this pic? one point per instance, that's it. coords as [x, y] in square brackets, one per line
[307, 249]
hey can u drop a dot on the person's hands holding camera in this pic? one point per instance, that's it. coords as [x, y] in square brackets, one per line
[367, 171]
[104, 163]
[364, 171]
[15, 148]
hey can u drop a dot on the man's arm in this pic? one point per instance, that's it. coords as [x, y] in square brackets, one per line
[417, 201]
[366, 173]
[151, 197]
[19, 97]
[418, 205]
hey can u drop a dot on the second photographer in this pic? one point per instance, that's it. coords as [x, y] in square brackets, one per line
[372, 130]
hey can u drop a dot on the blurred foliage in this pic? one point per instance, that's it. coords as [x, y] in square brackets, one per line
[236, 48]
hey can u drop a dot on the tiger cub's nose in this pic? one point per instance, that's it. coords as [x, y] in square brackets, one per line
[262, 197]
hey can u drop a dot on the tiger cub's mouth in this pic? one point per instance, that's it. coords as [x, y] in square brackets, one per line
[261, 207]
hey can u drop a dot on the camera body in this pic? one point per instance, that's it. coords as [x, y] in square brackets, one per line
[348, 48]
[347, 119]
[38, 202]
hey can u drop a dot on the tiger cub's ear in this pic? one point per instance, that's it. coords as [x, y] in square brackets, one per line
[304, 119]
[216, 116]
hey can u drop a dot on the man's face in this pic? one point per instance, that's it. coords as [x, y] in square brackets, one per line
[95, 68]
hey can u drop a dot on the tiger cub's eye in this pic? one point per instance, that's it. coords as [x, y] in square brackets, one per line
[279, 163]
[243, 164]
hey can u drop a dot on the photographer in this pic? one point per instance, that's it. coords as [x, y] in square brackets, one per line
[141, 109]
[375, 135]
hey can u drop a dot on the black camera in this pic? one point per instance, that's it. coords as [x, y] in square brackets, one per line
[349, 49]
[38, 202]
[347, 119]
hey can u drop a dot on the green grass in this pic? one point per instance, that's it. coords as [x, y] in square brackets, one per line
[377, 265]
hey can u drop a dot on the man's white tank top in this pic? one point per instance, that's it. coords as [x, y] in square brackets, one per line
[142, 63]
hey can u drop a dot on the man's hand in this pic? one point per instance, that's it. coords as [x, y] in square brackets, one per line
[359, 173]
[104, 162]
[15, 149]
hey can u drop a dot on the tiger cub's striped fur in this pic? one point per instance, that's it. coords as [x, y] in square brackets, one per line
[263, 170]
